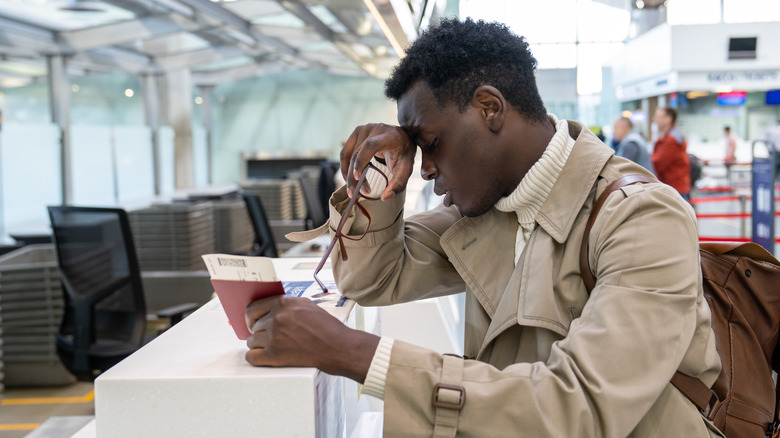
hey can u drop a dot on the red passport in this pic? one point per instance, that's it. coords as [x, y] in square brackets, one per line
[236, 295]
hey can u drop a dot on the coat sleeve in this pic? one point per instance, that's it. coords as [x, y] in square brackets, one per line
[398, 260]
[615, 363]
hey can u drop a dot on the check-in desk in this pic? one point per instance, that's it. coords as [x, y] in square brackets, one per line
[193, 381]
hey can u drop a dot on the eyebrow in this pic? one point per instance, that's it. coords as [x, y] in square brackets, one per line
[415, 137]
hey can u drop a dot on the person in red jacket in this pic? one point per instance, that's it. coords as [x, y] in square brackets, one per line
[670, 159]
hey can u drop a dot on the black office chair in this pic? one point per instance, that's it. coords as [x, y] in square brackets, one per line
[264, 244]
[314, 213]
[104, 318]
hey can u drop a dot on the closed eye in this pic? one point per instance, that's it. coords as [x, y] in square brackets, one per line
[432, 147]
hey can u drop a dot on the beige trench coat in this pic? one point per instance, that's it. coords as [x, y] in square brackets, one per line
[550, 360]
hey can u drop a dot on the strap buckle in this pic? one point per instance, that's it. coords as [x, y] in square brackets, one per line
[773, 430]
[446, 399]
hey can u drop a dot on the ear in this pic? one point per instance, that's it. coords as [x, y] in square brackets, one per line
[492, 105]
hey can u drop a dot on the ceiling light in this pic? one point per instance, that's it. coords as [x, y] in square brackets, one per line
[13, 82]
[129, 92]
[82, 6]
[385, 28]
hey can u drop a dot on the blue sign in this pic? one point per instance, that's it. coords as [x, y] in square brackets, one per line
[732, 98]
[763, 204]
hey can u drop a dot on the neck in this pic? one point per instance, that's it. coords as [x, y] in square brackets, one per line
[527, 142]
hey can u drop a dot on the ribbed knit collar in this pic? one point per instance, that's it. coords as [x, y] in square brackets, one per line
[527, 199]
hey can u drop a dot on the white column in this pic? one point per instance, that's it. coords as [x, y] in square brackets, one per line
[176, 111]
[207, 94]
[152, 116]
[59, 102]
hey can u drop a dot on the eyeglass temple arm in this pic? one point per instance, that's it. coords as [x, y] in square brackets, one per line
[342, 221]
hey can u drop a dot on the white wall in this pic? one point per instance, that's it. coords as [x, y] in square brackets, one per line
[690, 57]
[644, 57]
[705, 47]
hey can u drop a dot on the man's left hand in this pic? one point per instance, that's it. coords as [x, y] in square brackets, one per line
[289, 331]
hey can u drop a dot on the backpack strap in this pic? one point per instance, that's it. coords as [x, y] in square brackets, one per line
[774, 426]
[694, 389]
[625, 180]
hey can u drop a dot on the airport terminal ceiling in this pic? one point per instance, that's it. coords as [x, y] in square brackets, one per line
[224, 40]
[217, 41]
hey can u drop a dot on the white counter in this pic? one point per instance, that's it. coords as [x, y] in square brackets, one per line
[193, 381]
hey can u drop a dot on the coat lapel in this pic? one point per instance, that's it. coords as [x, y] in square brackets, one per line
[482, 250]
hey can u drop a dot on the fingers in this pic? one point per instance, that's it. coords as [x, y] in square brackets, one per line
[401, 169]
[288, 331]
[260, 321]
[257, 357]
[259, 308]
[380, 140]
[346, 153]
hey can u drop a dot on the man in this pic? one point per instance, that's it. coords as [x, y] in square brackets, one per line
[772, 138]
[670, 159]
[731, 146]
[631, 145]
[549, 360]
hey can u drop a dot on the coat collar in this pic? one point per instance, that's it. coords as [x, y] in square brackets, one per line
[575, 183]
[499, 286]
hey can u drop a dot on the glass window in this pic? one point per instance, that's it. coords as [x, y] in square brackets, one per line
[555, 55]
[597, 22]
[93, 165]
[530, 19]
[30, 175]
[134, 169]
[200, 155]
[693, 11]
[591, 58]
[165, 137]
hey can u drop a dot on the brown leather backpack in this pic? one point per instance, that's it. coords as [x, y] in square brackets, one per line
[742, 286]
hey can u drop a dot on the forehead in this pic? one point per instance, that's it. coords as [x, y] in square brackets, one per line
[418, 107]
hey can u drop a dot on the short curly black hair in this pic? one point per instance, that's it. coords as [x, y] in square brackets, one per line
[455, 57]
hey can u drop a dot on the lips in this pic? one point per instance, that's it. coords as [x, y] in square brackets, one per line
[447, 201]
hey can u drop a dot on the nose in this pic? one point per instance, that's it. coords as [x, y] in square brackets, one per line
[427, 169]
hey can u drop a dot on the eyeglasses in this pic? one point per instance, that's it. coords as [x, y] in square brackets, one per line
[337, 237]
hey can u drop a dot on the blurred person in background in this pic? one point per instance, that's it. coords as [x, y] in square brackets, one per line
[595, 129]
[630, 144]
[731, 148]
[773, 137]
[670, 159]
